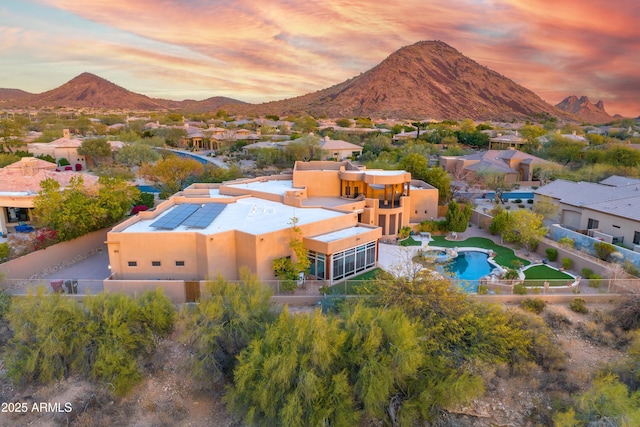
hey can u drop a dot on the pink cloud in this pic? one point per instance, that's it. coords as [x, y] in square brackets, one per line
[278, 48]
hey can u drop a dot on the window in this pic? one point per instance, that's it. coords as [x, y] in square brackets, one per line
[615, 226]
[155, 263]
[132, 264]
[179, 263]
[636, 237]
[352, 261]
[592, 223]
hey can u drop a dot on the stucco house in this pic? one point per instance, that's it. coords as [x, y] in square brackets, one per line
[609, 210]
[341, 209]
[20, 184]
[337, 149]
[65, 147]
[516, 166]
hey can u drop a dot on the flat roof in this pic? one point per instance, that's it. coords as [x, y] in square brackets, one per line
[269, 186]
[341, 234]
[385, 173]
[250, 215]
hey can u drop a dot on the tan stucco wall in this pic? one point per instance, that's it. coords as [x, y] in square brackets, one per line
[626, 228]
[35, 262]
[173, 289]
[423, 205]
[319, 183]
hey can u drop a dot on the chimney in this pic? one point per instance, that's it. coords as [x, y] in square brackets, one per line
[66, 134]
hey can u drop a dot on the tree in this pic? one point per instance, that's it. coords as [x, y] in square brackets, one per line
[305, 124]
[304, 148]
[7, 159]
[495, 181]
[227, 317]
[137, 154]
[531, 133]
[546, 207]
[76, 210]
[417, 165]
[171, 174]
[96, 149]
[525, 228]
[457, 219]
[564, 150]
[439, 178]
[343, 122]
[11, 132]
[295, 375]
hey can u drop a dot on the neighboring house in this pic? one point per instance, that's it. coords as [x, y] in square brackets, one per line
[609, 210]
[516, 166]
[342, 210]
[337, 149]
[19, 185]
[65, 147]
[506, 141]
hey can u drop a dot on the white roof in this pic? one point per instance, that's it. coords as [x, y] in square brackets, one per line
[249, 215]
[269, 186]
[341, 234]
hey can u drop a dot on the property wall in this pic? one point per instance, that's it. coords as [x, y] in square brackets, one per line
[33, 263]
[585, 243]
[173, 289]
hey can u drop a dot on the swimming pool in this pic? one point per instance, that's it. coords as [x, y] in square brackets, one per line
[511, 195]
[467, 268]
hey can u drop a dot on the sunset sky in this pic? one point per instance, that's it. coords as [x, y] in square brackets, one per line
[264, 50]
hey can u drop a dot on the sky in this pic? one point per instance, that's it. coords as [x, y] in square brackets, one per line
[265, 50]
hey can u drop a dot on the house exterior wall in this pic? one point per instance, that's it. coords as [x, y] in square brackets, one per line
[612, 225]
[320, 183]
[423, 205]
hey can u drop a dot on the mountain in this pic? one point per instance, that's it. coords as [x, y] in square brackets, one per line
[427, 79]
[210, 104]
[89, 90]
[584, 109]
[8, 96]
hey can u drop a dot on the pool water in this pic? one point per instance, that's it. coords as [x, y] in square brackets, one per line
[468, 268]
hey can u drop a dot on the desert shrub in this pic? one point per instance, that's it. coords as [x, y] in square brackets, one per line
[517, 201]
[567, 263]
[483, 290]
[5, 302]
[627, 313]
[530, 201]
[4, 251]
[603, 250]
[595, 280]
[228, 316]
[533, 305]
[587, 273]
[597, 333]
[146, 199]
[55, 337]
[578, 305]
[630, 268]
[566, 241]
[556, 320]
[63, 162]
[520, 290]
[512, 274]
[552, 254]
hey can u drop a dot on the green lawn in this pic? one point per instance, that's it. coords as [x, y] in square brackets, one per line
[504, 256]
[536, 276]
[410, 241]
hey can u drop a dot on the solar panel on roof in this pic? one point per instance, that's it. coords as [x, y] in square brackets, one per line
[175, 216]
[204, 216]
